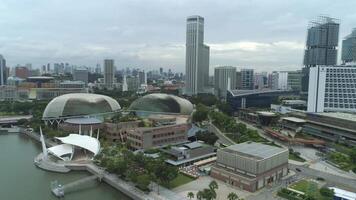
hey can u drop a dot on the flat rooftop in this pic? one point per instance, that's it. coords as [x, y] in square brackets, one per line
[265, 113]
[294, 119]
[339, 115]
[257, 150]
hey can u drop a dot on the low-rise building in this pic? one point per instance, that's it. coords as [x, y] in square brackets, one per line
[117, 132]
[149, 137]
[336, 127]
[250, 166]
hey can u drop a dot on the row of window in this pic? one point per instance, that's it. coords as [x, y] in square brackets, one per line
[340, 100]
[168, 140]
[335, 105]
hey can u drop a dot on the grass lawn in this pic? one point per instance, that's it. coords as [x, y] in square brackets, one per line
[308, 187]
[295, 157]
[180, 180]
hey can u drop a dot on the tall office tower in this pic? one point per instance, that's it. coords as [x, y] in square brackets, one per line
[224, 80]
[238, 80]
[196, 57]
[81, 74]
[43, 69]
[98, 69]
[247, 79]
[142, 77]
[348, 53]
[332, 88]
[160, 70]
[321, 45]
[109, 73]
[48, 68]
[3, 70]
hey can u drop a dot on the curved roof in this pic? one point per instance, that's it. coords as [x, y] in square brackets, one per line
[83, 141]
[76, 104]
[61, 150]
[164, 103]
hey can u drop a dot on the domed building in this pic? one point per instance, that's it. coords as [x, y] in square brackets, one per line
[162, 103]
[79, 104]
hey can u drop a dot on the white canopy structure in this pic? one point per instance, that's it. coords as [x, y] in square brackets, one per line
[74, 140]
[62, 150]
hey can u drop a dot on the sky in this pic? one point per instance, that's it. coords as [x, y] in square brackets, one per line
[265, 35]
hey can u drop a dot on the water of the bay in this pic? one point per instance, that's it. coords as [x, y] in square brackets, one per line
[20, 179]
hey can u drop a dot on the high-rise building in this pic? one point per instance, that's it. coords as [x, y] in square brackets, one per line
[225, 79]
[142, 77]
[81, 74]
[294, 80]
[247, 79]
[348, 53]
[332, 88]
[260, 80]
[3, 70]
[238, 80]
[109, 73]
[197, 57]
[321, 45]
[48, 68]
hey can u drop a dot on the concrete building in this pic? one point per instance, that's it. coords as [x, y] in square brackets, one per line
[260, 80]
[238, 80]
[133, 83]
[332, 126]
[250, 166]
[321, 45]
[332, 88]
[109, 73]
[81, 74]
[294, 80]
[224, 80]
[247, 79]
[142, 77]
[197, 57]
[22, 72]
[174, 132]
[3, 71]
[348, 53]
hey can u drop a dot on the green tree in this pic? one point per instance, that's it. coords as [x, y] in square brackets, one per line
[213, 185]
[201, 113]
[200, 195]
[190, 195]
[353, 154]
[143, 181]
[327, 193]
[232, 196]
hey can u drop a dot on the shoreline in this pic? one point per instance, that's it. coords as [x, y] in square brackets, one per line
[111, 179]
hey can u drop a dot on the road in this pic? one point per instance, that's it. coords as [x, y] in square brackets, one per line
[330, 178]
[222, 137]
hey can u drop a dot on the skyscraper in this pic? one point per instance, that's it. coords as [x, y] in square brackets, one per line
[348, 53]
[321, 45]
[224, 80]
[3, 71]
[109, 73]
[196, 58]
[247, 79]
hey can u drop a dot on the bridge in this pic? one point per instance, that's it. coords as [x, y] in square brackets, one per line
[59, 190]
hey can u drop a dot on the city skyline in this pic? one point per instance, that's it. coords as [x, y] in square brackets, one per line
[156, 37]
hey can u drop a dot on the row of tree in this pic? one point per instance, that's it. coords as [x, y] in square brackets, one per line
[137, 168]
[210, 193]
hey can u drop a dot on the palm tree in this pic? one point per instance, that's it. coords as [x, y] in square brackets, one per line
[232, 196]
[213, 185]
[190, 195]
[200, 195]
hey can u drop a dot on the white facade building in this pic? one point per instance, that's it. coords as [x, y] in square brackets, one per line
[197, 57]
[332, 88]
[224, 80]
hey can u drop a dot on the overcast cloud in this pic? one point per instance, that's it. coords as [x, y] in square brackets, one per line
[265, 35]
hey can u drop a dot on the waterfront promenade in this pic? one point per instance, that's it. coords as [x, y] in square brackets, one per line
[125, 187]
